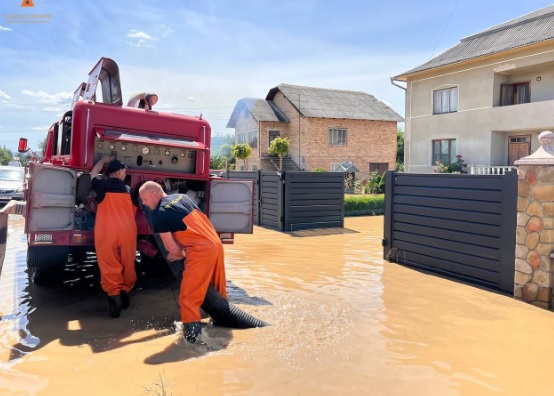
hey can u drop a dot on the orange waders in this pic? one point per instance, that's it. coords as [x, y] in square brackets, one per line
[115, 239]
[204, 264]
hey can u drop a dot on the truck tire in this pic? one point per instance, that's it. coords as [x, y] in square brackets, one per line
[47, 257]
[42, 259]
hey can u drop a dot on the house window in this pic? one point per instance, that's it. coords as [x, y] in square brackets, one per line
[379, 167]
[253, 139]
[241, 138]
[272, 135]
[445, 100]
[444, 150]
[511, 94]
[254, 167]
[337, 137]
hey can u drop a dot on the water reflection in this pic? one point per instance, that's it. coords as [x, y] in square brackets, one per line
[70, 308]
[472, 336]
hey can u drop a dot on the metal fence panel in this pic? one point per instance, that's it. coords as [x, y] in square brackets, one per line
[271, 200]
[313, 200]
[460, 225]
[291, 201]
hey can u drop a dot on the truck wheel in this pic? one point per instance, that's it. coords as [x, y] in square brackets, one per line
[42, 259]
[47, 257]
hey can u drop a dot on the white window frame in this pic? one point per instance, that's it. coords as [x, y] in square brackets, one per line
[338, 136]
[241, 137]
[253, 138]
[445, 100]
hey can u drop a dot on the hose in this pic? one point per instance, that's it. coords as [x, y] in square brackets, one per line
[222, 312]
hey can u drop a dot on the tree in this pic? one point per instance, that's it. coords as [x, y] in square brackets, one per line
[217, 162]
[400, 149]
[219, 140]
[5, 155]
[400, 146]
[42, 145]
[279, 146]
[241, 151]
[222, 157]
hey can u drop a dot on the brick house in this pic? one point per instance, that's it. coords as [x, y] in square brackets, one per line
[326, 127]
[486, 98]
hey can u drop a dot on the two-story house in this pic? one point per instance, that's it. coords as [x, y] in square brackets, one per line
[487, 98]
[327, 128]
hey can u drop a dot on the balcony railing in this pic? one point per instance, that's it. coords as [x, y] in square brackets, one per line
[492, 169]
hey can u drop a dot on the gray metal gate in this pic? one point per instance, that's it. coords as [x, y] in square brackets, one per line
[313, 200]
[291, 201]
[271, 202]
[460, 225]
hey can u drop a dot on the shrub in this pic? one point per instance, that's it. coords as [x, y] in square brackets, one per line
[363, 205]
[376, 183]
[349, 182]
[457, 165]
[319, 170]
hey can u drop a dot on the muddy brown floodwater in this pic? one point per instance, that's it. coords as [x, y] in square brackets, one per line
[344, 322]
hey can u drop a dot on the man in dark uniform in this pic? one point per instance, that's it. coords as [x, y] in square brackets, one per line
[115, 233]
[185, 230]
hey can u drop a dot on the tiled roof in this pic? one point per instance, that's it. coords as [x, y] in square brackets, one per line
[532, 28]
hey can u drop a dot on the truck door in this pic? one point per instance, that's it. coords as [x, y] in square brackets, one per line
[231, 205]
[50, 198]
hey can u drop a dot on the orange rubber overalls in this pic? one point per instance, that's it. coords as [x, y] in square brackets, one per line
[115, 239]
[204, 264]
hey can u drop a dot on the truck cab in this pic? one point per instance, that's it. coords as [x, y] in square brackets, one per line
[171, 149]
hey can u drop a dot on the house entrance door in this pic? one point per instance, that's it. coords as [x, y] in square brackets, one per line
[519, 147]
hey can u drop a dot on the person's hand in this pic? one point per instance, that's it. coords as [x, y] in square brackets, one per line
[175, 257]
[107, 158]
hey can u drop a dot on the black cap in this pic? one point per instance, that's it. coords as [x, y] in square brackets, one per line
[116, 165]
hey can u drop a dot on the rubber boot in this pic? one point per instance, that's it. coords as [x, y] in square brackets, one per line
[125, 300]
[192, 331]
[114, 304]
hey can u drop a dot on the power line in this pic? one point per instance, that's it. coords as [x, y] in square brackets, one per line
[444, 29]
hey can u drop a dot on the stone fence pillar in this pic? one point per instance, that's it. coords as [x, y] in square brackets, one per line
[535, 225]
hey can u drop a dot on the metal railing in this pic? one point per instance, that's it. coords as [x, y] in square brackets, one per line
[492, 169]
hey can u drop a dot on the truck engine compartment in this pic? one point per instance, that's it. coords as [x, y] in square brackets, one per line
[85, 204]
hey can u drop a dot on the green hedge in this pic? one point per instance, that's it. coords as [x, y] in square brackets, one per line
[363, 205]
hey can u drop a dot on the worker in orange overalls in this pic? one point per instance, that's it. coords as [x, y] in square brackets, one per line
[185, 230]
[115, 233]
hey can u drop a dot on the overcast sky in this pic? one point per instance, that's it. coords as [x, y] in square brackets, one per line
[201, 57]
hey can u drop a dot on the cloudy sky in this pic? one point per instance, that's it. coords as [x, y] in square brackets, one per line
[202, 56]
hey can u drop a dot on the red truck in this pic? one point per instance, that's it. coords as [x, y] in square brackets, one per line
[171, 149]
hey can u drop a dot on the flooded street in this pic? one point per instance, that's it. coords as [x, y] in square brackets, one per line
[343, 321]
